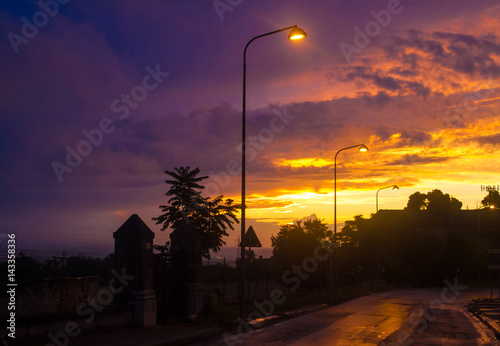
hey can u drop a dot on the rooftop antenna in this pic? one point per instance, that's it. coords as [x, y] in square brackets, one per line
[490, 188]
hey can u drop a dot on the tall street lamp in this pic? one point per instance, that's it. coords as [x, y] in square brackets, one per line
[296, 33]
[394, 187]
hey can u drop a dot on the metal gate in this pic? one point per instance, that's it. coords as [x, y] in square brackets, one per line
[161, 274]
[169, 283]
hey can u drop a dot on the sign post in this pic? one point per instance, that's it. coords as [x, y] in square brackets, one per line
[250, 240]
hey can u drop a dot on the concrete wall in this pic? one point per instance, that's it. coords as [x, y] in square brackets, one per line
[55, 295]
[47, 306]
[39, 328]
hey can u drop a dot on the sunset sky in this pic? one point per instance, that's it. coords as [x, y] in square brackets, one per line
[137, 88]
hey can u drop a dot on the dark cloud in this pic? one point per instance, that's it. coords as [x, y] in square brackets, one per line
[389, 83]
[418, 89]
[411, 60]
[489, 139]
[412, 159]
[415, 137]
[403, 72]
[379, 100]
[461, 53]
[395, 138]
[383, 133]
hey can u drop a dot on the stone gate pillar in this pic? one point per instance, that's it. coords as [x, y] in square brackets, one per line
[134, 257]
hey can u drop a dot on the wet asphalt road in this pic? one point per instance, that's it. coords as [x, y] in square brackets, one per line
[434, 316]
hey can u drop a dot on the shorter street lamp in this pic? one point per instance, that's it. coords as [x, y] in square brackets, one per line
[394, 187]
[362, 148]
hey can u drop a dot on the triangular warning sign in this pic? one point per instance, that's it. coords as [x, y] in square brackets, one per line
[251, 239]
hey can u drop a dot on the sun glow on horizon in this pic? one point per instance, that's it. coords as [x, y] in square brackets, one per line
[304, 162]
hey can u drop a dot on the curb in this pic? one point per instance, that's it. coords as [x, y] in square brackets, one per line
[273, 319]
[493, 325]
[481, 315]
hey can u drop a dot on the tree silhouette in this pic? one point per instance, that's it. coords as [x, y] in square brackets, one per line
[349, 236]
[186, 205]
[295, 242]
[417, 201]
[422, 248]
[440, 202]
[492, 200]
[434, 201]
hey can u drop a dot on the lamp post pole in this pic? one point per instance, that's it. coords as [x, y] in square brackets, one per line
[394, 187]
[361, 147]
[295, 34]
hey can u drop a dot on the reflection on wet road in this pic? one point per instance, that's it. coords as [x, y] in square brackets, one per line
[433, 316]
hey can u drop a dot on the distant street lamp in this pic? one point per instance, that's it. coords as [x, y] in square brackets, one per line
[394, 187]
[296, 33]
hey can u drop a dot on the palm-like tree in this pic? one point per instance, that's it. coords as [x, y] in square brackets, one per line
[186, 205]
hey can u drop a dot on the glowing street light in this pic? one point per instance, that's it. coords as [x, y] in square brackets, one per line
[296, 33]
[363, 148]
